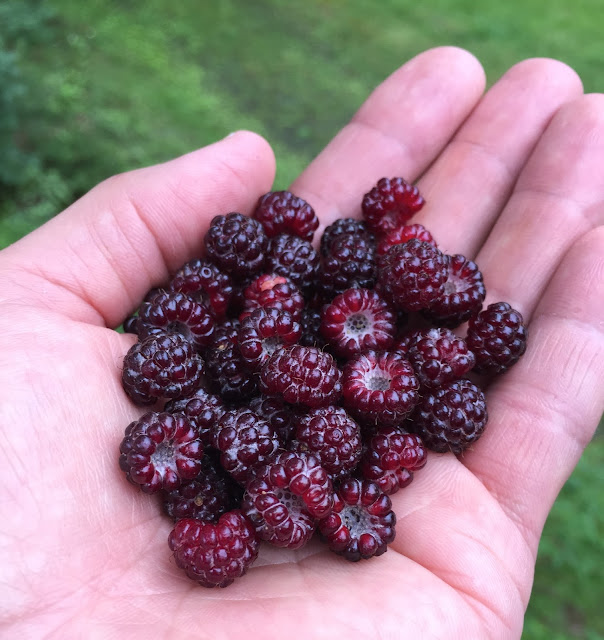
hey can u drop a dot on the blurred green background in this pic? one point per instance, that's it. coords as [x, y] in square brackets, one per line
[91, 88]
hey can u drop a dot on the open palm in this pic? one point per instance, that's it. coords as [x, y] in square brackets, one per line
[512, 178]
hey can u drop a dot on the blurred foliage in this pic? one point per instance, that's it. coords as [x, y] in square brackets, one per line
[88, 89]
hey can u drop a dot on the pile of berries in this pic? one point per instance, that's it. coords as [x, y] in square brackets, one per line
[294, 390]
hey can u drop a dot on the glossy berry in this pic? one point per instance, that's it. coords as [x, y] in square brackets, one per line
[283, 212]
[285, 498]
[412, 275]
[202, 409]
[390, 204]
[462, 296]
[263, 332]
[362, 522]
[438, 356]
[380, 387]
[161, 366]
[272, 291]
[130, 324]
[159, 451]
[228, 372]
[169, 312]
[350, 262]
[302, 375]
[206, 283]
[345, 227]
[497, 336]
[236, 244]
[391, 457]
[310, 321]
[214, 554]
[400, 235]
[294, 258]
[333, 437]
[358, 320]
[452, 417]
[206, 497]
[244, 440]
[280, 416]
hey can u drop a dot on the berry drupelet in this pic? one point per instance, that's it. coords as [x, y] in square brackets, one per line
[293, 258]
[202, 409]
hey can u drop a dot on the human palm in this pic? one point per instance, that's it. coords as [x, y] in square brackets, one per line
[512, 178]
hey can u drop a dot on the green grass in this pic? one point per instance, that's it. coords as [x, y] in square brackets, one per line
[115, 85]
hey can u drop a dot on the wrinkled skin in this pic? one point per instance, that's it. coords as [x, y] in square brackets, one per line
[512, 178]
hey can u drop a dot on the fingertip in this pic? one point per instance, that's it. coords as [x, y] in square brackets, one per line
[554, 73]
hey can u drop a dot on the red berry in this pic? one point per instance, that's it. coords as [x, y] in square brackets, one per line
[358, 320]
[333, 436]
[293, 258]
[203, 411]
[311, 328]
[497, 336]
[400, 235]
[263, 332]
[285, 498]
[205, 283]
[244, 440]
[159, 451]
[169, 312]
[279, 415]
[206, 497]
[380, 387]
[283, 212]
[438, 356]
[236, 244]
[161, 366]
[451, 418]
[391, 457]
[361, 524]
[345, 227]
[302, 375]
[272, 291]
[390, 204]
[214, 554]
[412, 275]
[462, 296]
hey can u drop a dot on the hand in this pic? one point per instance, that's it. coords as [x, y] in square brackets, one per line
[512, 178]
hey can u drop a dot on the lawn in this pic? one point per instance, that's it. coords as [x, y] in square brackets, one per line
[105, 86]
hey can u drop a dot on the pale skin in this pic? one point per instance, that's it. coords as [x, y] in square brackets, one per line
[512, 178]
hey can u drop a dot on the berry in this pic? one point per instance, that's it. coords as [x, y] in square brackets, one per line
[391, 457]
[497, 336]
[451, 418]
[400, 235]
[279, 415]
[130, 324]
[244, 441]
[283, 212]
[205, 497]
[344, 227]
[311, 328]
[272, 291]
[202, 409]
[205, 283]
[412, 275]
[349, 263]
[214, 554]
[333, 436]
[159, 451]
[357, 320]
[439, 356]
[302, 375]
[227, 370]
[263, 332]
[380, 387]
[293, 258]
[169, 312]
[462, 296]
[237, 244]
[390, 204]
[361, 524]
[285, 498]
[161, 366]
